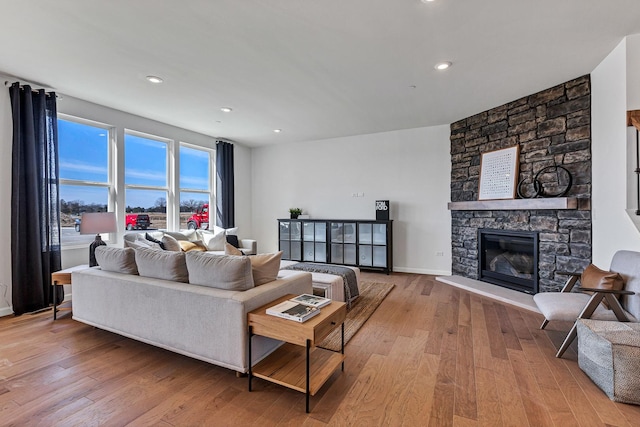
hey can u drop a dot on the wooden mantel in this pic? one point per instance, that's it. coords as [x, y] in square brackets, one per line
[633, 118]
[516, 204]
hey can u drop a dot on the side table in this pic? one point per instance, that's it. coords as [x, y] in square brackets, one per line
[298, 364]
[59, 278]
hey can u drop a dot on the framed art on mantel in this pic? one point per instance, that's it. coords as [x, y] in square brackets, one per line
[499, 174]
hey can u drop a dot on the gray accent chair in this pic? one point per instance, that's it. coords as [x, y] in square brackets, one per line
[571, 303]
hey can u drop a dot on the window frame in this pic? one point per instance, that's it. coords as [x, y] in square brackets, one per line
[212, 188]
[169, 144]
[109, 184]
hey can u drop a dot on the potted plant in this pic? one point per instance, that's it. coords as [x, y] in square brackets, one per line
[295, 212]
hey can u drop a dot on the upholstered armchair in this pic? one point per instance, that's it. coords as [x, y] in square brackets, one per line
[600, 303]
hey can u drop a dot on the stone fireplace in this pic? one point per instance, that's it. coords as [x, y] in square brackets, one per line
[552, 128]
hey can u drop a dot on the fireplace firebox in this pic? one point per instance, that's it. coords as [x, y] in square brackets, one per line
[509, 258]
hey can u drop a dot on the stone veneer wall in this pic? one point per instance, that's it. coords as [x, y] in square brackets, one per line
[551, 127]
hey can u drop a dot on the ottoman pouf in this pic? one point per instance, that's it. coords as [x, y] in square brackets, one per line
[609, 353]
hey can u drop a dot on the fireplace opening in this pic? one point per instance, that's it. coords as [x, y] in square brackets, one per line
[509, 258]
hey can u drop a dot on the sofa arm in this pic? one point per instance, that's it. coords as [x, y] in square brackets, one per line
[249, 246]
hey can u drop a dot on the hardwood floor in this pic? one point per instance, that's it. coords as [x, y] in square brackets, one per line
[431, 354]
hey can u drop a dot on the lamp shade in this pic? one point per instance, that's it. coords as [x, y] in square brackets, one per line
[98, 222]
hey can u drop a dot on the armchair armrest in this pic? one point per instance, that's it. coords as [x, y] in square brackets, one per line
[249, 246]
[571, 281]
[605, 291]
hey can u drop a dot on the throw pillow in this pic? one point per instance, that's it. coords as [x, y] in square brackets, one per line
[119, 260]
[171, 244]
[192, 246]
[233, 240]
[232, 250]
[176, 235]
[231, 273]
[231, 231]
[154, 240]
[213, 241]
[593, 277]
[265, 267]
[141, 242]
[164, 265]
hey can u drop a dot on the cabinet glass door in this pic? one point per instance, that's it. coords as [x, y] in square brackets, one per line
[350, 254]
[380, 256]
[379, 234]
[295, 231]
[284, 231]
[321, 252]
[365, 256]
[321, 231]
[364, 234]
[309, 251]
[308, 231]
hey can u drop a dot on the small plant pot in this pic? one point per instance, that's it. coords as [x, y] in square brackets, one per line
[294, 216]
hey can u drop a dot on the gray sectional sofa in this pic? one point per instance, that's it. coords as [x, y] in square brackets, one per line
[198, 320]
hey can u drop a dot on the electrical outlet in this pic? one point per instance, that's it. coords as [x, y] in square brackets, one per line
[439, 253]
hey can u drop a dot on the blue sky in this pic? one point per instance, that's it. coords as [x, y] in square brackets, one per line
[83, 155]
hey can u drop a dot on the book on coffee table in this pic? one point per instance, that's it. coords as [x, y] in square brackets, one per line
[311, 300]
[293, 311]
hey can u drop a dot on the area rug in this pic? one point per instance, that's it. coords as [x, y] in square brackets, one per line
[371, 295]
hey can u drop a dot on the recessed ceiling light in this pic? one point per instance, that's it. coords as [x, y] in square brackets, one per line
[154, 79]
[226, 109]
[277, 130]
[442, 65]
[426, 1]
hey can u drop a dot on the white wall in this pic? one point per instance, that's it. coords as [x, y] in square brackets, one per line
[612, 96]
[5, 197]
[411, 168]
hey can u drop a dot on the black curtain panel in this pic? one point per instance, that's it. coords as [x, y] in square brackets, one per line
[225, 214]
[35, 214]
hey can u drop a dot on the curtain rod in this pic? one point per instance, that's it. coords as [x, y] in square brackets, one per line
[7, 83]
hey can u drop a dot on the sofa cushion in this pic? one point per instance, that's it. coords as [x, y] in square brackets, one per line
[140, 242]
[164, 265]
[232, 273]
[232, 250]
[232, 239]
[118, 260]
[154, 240]
[192, 246]
[213, 241]
[265, 267]
[171, 243]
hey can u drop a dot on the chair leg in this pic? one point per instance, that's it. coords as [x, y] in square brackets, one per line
[573, 333]
[545, 322]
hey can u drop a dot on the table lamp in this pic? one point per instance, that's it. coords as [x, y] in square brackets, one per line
[96, 223]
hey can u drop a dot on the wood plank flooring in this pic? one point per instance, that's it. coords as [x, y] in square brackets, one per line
[431, 355]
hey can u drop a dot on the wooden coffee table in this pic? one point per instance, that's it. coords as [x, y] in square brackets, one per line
[298, 364]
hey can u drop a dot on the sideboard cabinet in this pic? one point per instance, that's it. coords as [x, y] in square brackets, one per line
[367, 244]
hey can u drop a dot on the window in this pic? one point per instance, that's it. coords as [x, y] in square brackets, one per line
[145, 179]
[85, 183]
[196, 170]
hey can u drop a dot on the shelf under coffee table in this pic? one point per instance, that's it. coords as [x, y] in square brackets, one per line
[298, 364]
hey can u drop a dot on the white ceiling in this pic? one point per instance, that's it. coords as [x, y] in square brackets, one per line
[315, 69]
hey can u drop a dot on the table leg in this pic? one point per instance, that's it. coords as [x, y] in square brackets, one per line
[250, 372]
[342, 348]
[307, 393]
[55, 300]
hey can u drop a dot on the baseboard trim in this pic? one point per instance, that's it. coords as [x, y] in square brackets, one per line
[8, 311]
[421, 271]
